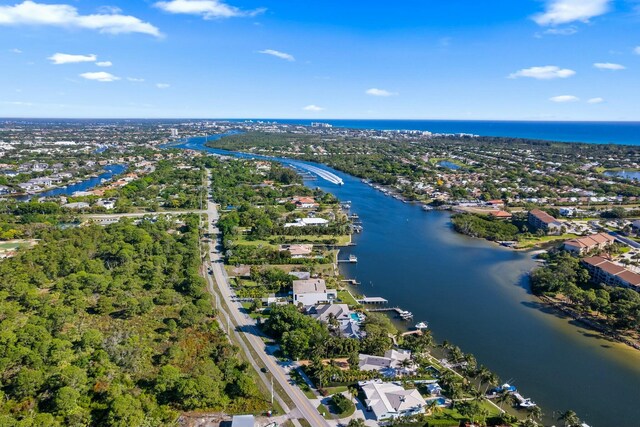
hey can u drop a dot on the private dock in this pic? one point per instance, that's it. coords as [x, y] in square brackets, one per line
[374, 300]
[352, 282]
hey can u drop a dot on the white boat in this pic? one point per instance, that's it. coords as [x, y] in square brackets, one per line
[427, 208]
[422, 325]
[527, 403]
[406, 315]
[353, 258]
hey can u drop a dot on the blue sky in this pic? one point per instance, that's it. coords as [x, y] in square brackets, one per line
[427, 59]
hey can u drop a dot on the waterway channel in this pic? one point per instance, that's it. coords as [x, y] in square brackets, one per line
[475, 295]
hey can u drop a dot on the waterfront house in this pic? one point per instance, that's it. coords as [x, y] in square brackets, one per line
[389, 365]
[345, 318]
[587, 244]
[304, 202]
[298, 251]
[543, 221]
[312, 292]
[605, 271]
[434, 389]
[388, 401]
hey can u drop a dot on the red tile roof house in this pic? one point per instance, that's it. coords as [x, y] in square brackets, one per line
[604, 271]
[587, 244]
[305, 202]
[542, 220]
[500, 214]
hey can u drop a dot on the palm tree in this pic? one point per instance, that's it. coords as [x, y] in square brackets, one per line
[356, 422]
[535, 413]
[529, 423]
[570, 419]
[505, 397]
[353, 391]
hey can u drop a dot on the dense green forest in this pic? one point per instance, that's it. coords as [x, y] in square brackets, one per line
[484, 227]
[112, 326]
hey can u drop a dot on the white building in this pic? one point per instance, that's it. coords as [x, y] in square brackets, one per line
[388, 400]
[312, 291]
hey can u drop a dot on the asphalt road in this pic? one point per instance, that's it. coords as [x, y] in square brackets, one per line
[246, 325]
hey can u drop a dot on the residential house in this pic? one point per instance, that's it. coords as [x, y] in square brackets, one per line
[388, 401]
[298, 251]
[347, 320]
[543, 221]
[305, 202]
[500, 214]
[587, 244]
[434, 389]
[389, 365]
[312, 292]
[76, 205]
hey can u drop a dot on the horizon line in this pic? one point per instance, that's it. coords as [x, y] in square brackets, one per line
[319, 119]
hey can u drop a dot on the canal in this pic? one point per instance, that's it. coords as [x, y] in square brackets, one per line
[475, 295]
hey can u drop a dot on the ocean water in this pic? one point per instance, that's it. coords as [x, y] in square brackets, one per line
[627, 133]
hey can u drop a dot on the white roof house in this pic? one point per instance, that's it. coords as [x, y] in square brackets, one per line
[390, 365]
[312, 292]
[389, 400]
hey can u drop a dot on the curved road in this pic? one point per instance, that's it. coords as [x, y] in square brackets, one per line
[246, 325]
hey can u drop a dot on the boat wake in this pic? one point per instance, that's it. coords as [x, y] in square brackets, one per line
[326, 175]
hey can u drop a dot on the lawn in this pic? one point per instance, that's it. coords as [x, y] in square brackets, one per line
[347, 298]
[527, 243]
[302, 384]
[324, 411]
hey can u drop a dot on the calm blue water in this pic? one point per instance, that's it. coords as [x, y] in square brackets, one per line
[88, 184]
[476, 295]
[590, 132]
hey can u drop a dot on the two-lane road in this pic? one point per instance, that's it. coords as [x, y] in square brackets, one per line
[247, 326]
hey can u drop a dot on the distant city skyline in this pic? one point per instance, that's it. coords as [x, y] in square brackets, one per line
[493, 60]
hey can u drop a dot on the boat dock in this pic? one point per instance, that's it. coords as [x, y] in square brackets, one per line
[374, 300]
[352, 282]
[403, 314]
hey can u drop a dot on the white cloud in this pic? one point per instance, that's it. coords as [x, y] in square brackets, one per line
[208, 9]
[66, 58]
[163, 85]
[104, 64]
[637, 50]
[547, 72]
[564, 98]
[100, 76]
[564, 11]
[597, 100]
[379, 92]
[313, 107]
[15, 51]
[278, 54]
[63, 15]
[135, 79]
[608, 66]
